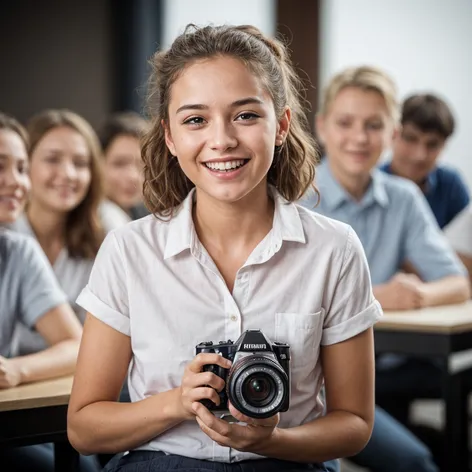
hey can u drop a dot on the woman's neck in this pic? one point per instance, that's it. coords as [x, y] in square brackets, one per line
[355, 185]
[232, 227]
[49, 228]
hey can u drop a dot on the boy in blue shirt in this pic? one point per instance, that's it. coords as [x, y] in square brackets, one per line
[426, 125]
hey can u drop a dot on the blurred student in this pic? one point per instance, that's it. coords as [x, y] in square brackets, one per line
[120, 137]
[394, 223]
[426, 125]
[29, 293]
[66, 191]
[62, 212]
[459, 235]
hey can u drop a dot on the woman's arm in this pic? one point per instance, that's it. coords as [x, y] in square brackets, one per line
[61, 330]
[98, 423]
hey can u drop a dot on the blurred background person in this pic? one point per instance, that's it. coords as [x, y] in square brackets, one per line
[426, 125]
[120, 137]
[30, 294]
[356, 125]
[62, 212]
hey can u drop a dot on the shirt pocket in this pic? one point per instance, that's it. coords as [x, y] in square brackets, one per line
[302, 332]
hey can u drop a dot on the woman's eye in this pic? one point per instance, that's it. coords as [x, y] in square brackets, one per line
[247, 116]
[196, 120]
[343, 124]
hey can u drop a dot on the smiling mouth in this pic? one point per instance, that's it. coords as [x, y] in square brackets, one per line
[227, 166]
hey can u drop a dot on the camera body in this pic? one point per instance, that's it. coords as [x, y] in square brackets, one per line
[258, 382]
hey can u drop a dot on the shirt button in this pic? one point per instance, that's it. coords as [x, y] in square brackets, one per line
[233, 318]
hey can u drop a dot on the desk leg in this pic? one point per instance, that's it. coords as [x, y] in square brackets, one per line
[456, 454]
[66, 458]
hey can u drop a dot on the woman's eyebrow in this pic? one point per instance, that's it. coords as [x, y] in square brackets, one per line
[237, 103]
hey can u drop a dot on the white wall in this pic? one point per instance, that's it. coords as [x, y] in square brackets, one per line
[424, 44]
[178, 13]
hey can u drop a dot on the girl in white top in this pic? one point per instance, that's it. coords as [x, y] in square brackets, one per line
[120, 137]
[226, 250]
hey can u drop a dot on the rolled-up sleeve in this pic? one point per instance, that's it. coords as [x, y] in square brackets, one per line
[352, 308]
[426, 246]
[106, 294]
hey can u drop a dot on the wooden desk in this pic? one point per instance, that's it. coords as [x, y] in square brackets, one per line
[37, 413]
[437, 332]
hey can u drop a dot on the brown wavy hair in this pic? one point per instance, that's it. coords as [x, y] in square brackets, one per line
[84, 232]
[293, 170]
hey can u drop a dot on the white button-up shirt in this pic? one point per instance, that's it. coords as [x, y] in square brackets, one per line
[307, 284]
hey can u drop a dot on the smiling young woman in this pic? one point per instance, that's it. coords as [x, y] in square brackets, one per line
[226, 250]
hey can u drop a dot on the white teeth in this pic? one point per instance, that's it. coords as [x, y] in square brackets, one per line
[223, 166]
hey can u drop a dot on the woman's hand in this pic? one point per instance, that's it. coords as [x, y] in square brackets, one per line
[197, 385]
[10, 373]
[247, 438]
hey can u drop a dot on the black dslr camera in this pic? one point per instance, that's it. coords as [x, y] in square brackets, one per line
[258, 382]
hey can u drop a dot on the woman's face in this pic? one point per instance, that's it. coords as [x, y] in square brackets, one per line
[123, 172]
[14, 180]
[356, 129]
[223, 129]
[60, 170]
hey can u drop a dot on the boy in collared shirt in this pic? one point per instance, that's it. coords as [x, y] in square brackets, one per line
[426, 125]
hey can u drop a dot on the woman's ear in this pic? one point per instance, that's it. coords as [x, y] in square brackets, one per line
[168, 138]
[282, 127]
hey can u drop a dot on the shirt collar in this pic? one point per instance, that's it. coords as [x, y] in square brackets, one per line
[334, 195]
[287, 225]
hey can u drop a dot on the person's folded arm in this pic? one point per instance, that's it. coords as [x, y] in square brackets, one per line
[62, 331]
[446, 291]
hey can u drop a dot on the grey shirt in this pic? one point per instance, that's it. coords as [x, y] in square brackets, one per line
[28, 287]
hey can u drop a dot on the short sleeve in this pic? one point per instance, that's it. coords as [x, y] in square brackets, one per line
[352, 308]
[39, 289]
[425, 245]
[106, 294]
[459, 232]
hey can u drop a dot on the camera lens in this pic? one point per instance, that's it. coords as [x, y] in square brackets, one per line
[257, 386]
[258, 389]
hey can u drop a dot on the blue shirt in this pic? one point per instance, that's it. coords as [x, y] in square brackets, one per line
[393, 222]
[445, 191]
